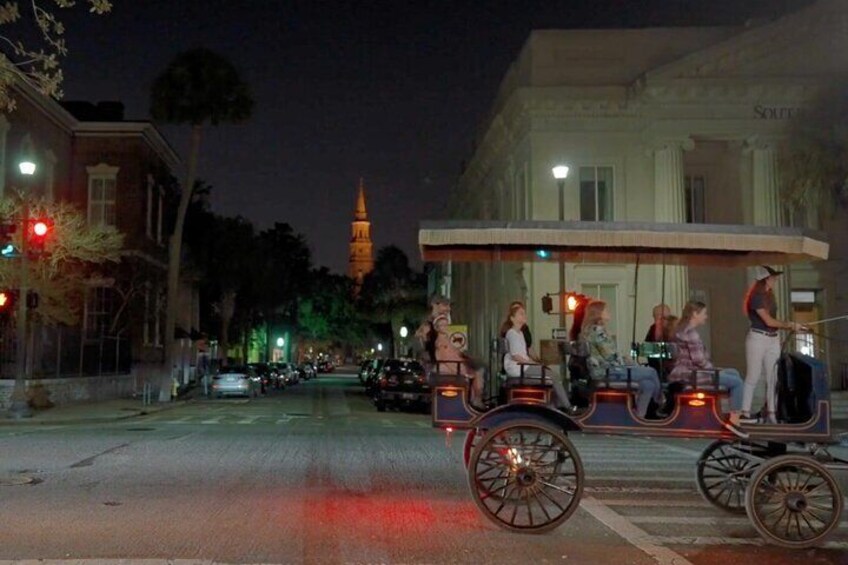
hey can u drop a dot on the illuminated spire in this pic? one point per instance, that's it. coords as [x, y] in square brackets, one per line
[361, 214]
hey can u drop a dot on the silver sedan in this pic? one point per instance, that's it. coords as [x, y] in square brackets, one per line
[234, 381]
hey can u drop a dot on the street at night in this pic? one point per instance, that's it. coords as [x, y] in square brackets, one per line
[314, 474]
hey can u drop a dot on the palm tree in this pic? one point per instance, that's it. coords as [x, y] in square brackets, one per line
[198, 87]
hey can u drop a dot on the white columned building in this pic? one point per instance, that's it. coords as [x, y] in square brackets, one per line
[677, 125]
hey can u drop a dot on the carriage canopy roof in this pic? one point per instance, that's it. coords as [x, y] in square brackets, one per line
[617, 242]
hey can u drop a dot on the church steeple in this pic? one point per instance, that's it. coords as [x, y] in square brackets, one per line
[361, 214]
[361, 258]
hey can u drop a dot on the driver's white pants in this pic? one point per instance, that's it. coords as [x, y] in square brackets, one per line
[762, 353]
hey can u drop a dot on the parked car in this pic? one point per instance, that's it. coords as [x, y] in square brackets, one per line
[306, 371]
[239, 380]
[264, 374]
[364, 369]
[374, 369]
[326, 367]
[289, 372]
[401, 382]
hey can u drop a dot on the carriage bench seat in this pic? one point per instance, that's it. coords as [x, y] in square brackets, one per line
[691, 384]
[513, 382]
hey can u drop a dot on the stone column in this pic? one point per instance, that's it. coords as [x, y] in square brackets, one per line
[767, 208]
[670, 205]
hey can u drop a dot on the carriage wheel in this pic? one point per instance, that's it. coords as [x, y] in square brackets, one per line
[472, 440]
[526, 476]
[793, 501]
[723, 473]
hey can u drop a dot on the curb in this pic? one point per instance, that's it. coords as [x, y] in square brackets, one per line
[128, 414]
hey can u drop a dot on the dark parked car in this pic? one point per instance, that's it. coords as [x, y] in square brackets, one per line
[265, 373]
[307, 371]
[401, 382]
[326, 367]
[372, 373]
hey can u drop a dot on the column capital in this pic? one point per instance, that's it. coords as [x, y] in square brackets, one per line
[683, 143]
[760, 142]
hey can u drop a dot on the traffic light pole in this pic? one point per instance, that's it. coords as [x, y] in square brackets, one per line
[19, 407]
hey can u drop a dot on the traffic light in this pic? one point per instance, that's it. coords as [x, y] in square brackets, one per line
[7, 301]
[39, 232]
[7, 246]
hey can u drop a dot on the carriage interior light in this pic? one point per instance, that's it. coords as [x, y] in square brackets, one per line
[698, 400]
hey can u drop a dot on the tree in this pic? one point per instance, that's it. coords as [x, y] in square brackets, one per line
[814, 169]
[198, 87]
[326, 313]
[38, 64]
[393, 293]
[72, 252]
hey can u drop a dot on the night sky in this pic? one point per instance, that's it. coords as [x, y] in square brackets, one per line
[388, 91]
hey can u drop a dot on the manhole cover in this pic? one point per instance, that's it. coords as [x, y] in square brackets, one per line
[16, 481]
[141, 429]
[112, 503]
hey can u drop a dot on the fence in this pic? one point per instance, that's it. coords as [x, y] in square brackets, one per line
[62, 351]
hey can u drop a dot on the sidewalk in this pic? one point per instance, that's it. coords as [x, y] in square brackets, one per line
[91, 412]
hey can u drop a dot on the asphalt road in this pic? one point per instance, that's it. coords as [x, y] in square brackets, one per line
[314, 474]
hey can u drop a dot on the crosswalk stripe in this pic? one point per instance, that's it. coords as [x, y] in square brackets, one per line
[715, 540]
[699, 521]
[643, 503]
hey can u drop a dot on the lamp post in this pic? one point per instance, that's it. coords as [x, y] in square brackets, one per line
[19, 407]
[560, 173]
[404, 331]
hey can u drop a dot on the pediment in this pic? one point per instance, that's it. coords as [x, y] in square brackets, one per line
[809, 44]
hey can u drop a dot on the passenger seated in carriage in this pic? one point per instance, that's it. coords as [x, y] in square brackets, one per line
[448, 358]
[693, 359]
[519, 365]
[604, 362]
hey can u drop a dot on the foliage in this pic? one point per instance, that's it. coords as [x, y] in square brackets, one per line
[197, 87]
[815, 167]
[393, 293]
[200, 86]
[39, 64]
[72, 252]
[327, 313]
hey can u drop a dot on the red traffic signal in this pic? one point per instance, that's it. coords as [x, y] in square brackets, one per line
[40, 228]
[7, 301]
[39, 232]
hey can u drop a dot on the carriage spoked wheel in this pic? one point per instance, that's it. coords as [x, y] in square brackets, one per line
[793, 501]
[526, 476]
[472, 440]
[723, 472]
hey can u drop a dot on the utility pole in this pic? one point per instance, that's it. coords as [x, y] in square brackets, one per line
[19, 407]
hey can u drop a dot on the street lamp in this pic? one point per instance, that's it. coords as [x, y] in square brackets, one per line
[560, 173]
[379, 347]
[404, 332]
[18, 406]
[280, 342]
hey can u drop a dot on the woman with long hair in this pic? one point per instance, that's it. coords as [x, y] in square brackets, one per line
[517, 362]
[693, 358]
[605, 362]
[762, 344]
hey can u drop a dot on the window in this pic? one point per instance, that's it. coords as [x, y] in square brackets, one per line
[607, 293]
[694, 188]
[159, 217]
[98, 311]
[150, 189]
[806, 309]
[102, 181]
[596, 194]
[152, 327]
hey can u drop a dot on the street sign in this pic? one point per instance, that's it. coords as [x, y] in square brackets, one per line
[458, 336]
[559, 333]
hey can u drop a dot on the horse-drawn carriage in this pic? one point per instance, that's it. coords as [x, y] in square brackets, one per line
[524, 472]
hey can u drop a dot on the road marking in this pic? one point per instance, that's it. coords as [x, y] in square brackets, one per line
[710, 540]
[637, 479]
[643, 503]
[640, 490]
[631, 533]
[698, 521]
[248, 420]
[212, 421]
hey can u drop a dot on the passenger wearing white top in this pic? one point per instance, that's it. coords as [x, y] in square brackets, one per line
[518, 364]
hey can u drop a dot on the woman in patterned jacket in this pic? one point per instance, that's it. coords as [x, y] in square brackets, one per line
[605, 362]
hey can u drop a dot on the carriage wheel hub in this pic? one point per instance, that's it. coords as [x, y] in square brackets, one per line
[796, 501]
[525, 477]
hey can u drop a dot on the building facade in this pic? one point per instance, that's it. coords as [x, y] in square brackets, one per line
[361, 257]
[115, 173]
[662, 125]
